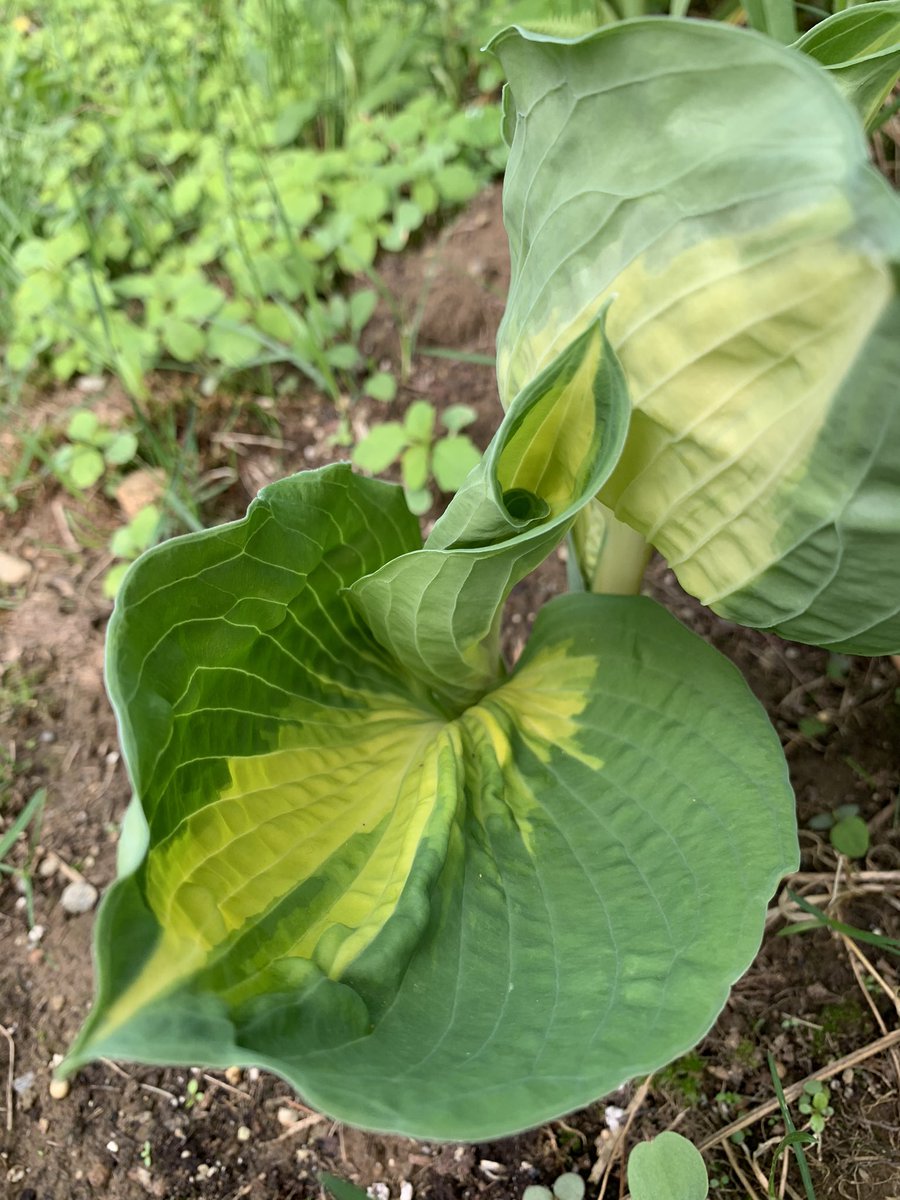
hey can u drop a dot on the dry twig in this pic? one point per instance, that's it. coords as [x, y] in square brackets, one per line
[9, 1077]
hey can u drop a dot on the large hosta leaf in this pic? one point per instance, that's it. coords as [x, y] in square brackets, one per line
[444, 913]
[716, 186]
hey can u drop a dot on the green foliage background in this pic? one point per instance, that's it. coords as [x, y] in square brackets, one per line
[184, 183]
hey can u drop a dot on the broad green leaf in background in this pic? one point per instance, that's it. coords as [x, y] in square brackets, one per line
[749, 252]
[861, 49]
[435, 896]
[667, 1168]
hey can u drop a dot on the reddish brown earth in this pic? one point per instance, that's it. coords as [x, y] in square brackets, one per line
[125, 1132]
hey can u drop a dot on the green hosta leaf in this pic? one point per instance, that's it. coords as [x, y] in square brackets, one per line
[449, 924]
[409, 913]
[667, 1168]
[755, 312]
[436, 896]
[861, 49]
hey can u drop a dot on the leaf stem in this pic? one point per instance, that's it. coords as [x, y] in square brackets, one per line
[611, 555]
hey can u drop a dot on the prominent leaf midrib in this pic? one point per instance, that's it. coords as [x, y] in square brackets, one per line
[347, 816]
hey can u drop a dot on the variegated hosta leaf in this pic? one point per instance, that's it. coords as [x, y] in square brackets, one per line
[451, 922]
[715, 186]
[861, 49]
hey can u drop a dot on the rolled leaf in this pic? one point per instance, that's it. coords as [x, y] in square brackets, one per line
[438, 609]
[715, 187]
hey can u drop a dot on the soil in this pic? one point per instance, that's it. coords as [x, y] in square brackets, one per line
[126, 1132]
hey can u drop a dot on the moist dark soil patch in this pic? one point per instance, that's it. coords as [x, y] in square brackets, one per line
[128, 1132]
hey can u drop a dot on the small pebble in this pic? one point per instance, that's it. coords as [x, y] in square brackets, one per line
[59, 1089]
[233, 1075]
[243, 1133]
[49, 865]
[79, 897]
[57, 1003]
[112, 1147]
[35, 933]
[13, 571]
[287, 1116]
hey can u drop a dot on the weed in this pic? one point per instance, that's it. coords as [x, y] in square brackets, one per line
[189, 215]
[683, 1077]
[28, 818]
[847, 831]
[192, 1094]
[422, 452]
[91, 451]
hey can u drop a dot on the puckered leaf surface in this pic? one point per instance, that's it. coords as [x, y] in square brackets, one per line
[715, 186]
[452, 924]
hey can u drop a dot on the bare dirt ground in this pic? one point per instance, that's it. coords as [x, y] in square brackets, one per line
[126, 1132]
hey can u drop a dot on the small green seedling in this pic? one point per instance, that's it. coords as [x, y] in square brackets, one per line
[423, 454]
[667, 1168]
[92, 449]
[30, 815]
[127, 543]
[192, 1094]
[146, 1154]
[815, 1103]
[341, 1189]
[847, 831]
[568, 1186]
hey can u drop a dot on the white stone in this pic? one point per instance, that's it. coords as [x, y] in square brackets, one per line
[79, 897]
[13, 571]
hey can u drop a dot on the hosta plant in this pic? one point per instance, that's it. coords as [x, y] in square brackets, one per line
[453, 899]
